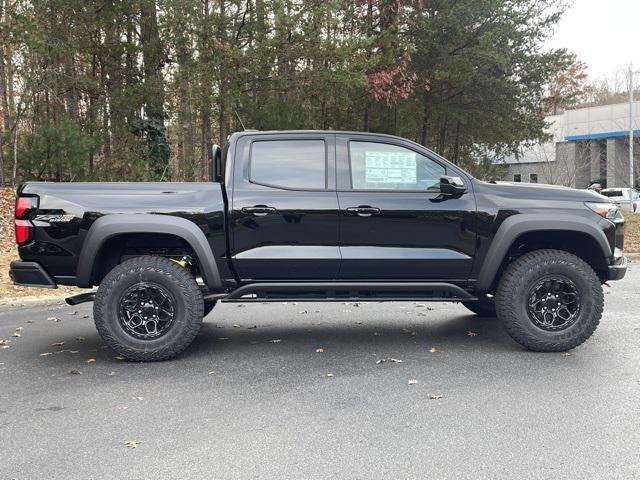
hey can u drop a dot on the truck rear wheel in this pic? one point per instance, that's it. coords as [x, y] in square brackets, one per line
[549, 301]
[148, 309]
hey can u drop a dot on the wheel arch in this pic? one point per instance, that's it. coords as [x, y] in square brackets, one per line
[113, 226]
[570, 233]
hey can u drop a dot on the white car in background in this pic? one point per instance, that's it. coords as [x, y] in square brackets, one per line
[621, 197]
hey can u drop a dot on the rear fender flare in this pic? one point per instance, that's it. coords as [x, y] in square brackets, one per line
[515, 226]
[109, 226]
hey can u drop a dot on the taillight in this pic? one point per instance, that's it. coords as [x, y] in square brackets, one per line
[24, 206]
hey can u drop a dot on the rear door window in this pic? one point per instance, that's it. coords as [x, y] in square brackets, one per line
[289, 164]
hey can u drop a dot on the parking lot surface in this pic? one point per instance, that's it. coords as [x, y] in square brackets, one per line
[322, 390]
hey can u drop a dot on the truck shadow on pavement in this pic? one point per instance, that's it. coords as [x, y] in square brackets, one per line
[460, 332]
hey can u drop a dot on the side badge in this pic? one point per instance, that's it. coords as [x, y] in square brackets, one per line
[54, 218]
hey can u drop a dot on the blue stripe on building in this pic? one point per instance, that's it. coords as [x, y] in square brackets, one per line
[597, 136]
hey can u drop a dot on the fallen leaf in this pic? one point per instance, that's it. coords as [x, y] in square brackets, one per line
[132, 443]
[435, 397]
[329, 375]
[303, 312]
[120, 357]
[432, 350]
[111, 374]
[4, 347]
[211, 372]
[16, 334]
[235, 325]
[19, 329]
[138, 398]
[320, 350]
[413, 381]
[75, 372]
[567, 354]
[91, 360]
[358, 322]
[54, 319]
[472, 334]
[45, 354]
[57, 344]
[72, 313]
[388, 359]
[277, 340]
[85, 316]
[5, 342]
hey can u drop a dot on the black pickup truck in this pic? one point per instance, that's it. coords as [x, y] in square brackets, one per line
[316, 216]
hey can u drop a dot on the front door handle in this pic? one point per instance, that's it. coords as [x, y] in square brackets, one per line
[258, 210]
[363, 211]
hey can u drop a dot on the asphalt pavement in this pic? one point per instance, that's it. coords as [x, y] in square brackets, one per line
[297, 391]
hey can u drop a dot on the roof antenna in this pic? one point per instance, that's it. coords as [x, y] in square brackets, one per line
[240, 120]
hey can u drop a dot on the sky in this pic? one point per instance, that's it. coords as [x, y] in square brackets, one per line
[604, 34]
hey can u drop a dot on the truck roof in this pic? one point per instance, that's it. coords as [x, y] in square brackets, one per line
[234, 136]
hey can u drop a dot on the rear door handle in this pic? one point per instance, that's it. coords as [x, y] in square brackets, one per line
[363, 211]
[258, 210]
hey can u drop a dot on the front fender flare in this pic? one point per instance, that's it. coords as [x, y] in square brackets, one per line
[515, 226]
[109, 226]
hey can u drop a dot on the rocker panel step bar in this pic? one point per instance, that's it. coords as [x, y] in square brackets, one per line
[332, 291]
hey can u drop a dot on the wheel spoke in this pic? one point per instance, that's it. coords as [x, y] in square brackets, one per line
[147, 311]
[554, 303]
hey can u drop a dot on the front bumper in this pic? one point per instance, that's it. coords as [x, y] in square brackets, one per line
[30, 274]
[618, 269]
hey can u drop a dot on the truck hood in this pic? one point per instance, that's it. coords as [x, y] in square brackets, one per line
[543, 192]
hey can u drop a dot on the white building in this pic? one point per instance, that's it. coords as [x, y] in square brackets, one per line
[589, 145]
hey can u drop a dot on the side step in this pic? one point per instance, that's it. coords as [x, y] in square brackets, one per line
[336, 291]
[80, 298]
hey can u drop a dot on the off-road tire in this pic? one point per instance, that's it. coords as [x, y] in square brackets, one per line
[178, 281]
[482, 307]
[513, 292]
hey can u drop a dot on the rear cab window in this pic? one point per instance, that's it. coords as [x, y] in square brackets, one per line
[299, 164]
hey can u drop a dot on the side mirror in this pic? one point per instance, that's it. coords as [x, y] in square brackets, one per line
[216, 164]
[452, 186]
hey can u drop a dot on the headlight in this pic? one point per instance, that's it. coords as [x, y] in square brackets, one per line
[606, 210]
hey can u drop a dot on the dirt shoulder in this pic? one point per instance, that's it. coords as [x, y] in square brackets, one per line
[13, 294]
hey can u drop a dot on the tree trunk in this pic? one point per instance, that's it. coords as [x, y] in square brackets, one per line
[222, 90]
[206, 90]
[153, 60]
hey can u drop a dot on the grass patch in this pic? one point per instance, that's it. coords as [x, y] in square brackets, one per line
[632, 232]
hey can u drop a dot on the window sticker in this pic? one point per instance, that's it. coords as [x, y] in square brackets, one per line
[391, 167]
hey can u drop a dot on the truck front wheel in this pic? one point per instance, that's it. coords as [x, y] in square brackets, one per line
[148, 309]
[549, 301]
